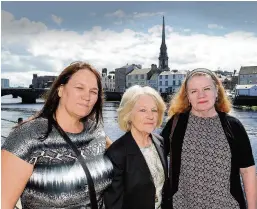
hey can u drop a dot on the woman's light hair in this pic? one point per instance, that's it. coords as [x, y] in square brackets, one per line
[179, 103]
[129, 100]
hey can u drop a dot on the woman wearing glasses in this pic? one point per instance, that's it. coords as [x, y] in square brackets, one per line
[40, 166]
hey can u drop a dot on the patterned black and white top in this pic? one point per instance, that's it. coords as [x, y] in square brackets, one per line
[58, 180]
[204, 180]
[156, 169]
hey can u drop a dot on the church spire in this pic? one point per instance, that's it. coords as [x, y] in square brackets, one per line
[163, 31]
[163, 58]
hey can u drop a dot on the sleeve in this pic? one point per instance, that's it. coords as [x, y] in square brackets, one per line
[244, 150]
[166, 134]
[113, 195]
[18, 143]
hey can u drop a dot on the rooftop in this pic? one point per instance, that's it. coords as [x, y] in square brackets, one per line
[140, 71]
[171, 73]
[248, 70]
[245, 86]
[154, 76]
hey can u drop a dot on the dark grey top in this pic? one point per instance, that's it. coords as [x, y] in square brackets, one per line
[58, 180]
[204, 180]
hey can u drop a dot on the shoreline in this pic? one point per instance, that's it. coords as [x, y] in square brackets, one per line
[252, 108]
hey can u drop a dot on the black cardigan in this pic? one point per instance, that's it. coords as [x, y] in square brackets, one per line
[239, 143]
[132, 186]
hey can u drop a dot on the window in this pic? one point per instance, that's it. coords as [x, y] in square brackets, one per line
[166, 76]
[142, 76]
[166, 83]
[136, 77]
[160, 83]
[160, 76]
[179, 82]
[161, 90]
[173, 76]
[174, 83]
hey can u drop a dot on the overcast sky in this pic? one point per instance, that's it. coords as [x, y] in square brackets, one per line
[44, 37]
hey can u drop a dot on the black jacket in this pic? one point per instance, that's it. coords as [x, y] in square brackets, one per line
[239, 143]
[132, 186]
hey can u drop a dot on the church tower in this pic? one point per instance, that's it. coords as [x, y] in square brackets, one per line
[163, 58]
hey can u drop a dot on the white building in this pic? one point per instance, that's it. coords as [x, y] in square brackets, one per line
[246, 90]
[170, 81]
[138, 77]
[108, 82]
[153, 81]
[5, 83]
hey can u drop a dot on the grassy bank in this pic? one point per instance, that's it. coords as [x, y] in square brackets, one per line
[253, 108]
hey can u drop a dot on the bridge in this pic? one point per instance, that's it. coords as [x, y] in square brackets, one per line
[29, 95]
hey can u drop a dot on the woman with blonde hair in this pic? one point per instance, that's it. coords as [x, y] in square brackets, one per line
[208, 148]
[140, 168]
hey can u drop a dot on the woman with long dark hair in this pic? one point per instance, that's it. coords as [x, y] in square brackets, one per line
[38, 164]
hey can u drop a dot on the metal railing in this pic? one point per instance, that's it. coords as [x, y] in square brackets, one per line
[12, 121]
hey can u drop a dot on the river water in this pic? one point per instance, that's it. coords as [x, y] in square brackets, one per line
[12, 109]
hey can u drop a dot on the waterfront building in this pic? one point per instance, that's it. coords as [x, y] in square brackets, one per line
[5, 83]
[246, 90]
[108, 80]
[138, 77]
[120, 76]
[170, 81]
[42, 81]
[247, 75]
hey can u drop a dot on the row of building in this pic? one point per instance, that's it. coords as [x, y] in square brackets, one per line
[162, 81]
[160, 78]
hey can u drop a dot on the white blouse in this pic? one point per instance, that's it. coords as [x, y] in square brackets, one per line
[155, 166]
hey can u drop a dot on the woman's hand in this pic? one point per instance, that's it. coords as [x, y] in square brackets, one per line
[108, 142]
[250, 186]
[15, 175]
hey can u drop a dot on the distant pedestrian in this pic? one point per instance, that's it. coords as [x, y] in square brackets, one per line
[20, 120]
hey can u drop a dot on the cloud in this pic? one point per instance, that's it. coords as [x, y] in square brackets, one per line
[24, 54]
[92, 14]
[11, 27]
[118, 13]
[118, 22]
[56, 19]
[147, 14]
[121, 14]
[186, 30]
[215, 26]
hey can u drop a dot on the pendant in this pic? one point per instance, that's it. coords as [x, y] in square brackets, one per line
[156, 198]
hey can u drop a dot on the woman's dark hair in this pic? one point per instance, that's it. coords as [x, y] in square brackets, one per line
[52, 98]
